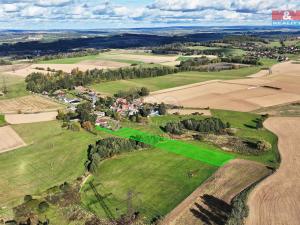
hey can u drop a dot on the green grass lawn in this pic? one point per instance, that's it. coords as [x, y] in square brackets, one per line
[2, 120]
[172, 80]
[52, 156]
[15, 85]
[158, 179]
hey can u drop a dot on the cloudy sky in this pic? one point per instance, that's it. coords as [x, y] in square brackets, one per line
[79, 14]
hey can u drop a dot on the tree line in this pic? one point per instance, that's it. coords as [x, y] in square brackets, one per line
[40, 82]
[208, 125]
[109, 147]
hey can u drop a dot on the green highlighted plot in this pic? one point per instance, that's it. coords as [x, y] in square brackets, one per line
[174, 146]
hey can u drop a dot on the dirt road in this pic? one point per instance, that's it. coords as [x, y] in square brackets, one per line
[276, 201]
[210, 203]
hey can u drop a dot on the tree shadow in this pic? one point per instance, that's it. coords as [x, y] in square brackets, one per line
[214, 211]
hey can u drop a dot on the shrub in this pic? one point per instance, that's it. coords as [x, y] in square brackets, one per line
[74, 126]
[43, 206]
[27, 198]
[263, 145]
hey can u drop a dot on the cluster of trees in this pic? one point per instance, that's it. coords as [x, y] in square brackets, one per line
[252, 60]
[197, 61]
[133, 93]
[109, 147]
[40, 82]
[208, 125]
[5, 62]
[70, 54]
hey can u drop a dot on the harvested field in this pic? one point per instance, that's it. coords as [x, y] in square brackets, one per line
[9, 139]
[28, 104]
[190, 111]
[242, 95]
[210, 203]
[83, 66]
[30, 118]
[276, 200]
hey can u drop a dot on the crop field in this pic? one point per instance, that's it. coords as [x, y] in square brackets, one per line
[9, 139]
[172, 80]
[52, 155]
[115, 56]
[16, 86]
[241, 95]
[29, 104]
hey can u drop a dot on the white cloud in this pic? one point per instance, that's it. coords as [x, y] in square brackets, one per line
[52, 3]
[34, 11]
[10, 7]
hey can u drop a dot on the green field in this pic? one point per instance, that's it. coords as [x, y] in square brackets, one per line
[158, 179]
[16, 86]
[162, 173]
[215, 158]
[102, 56]
[2, 120]
[172, 80]
[52, 156]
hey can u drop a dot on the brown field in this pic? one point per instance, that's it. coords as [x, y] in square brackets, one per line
[214, 196]
[30, 118]
[28, 104]
[275, 201]
[242, 95]
[83, 66]
[9, 139]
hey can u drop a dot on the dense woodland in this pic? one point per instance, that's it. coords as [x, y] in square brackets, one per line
[40, 82]
[109, 147]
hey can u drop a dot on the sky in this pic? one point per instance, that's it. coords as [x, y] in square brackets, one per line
[97, 14]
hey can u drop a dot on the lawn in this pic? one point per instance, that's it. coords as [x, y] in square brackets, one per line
[52, 155]
[172, 80]
[16, 86]
[159, 181]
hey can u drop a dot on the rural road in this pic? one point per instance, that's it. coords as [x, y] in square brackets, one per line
[276, 200]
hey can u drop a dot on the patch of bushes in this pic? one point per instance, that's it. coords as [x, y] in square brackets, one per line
[208, 125]
[109, 147]
[43, 206]
[133, 93]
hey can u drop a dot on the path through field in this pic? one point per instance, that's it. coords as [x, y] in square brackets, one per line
[276, 201]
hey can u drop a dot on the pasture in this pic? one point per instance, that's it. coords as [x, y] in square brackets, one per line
[172, 80]
[159, 181]
[15, 85]
[52, 156]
